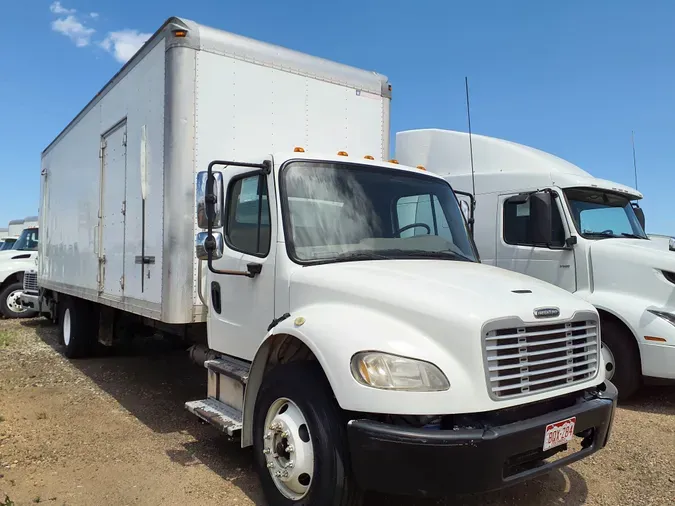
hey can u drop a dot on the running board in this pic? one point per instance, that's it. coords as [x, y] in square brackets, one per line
[217, 414]
[230, 367]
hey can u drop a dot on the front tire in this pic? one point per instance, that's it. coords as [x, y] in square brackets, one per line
[10, 304]
[622, 359]
[76, 328]
[297, 422]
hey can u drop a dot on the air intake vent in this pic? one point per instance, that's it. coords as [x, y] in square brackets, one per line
[527, 360]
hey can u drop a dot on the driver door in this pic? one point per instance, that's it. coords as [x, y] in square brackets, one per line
[516, 250]
[240, 307]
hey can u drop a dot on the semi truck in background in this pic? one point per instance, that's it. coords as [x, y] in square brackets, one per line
[540, 215]
[234, 192]
[666, 241]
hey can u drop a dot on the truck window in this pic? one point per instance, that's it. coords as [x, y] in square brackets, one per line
[248, 216]
[517, 229]
[422, 209]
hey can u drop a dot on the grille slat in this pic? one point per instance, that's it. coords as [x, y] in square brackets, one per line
[539, 333]
[30, 281]
[526, 360]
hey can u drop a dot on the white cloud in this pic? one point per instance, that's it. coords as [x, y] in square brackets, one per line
[93, 15]
[73, 29]
[124, 43]
[57, 8]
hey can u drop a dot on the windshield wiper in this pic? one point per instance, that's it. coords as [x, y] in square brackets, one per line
[415, 253]
[357, 255]
[632, 236]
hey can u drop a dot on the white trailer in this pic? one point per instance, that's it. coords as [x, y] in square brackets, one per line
[225, 180]
[30, 221]
[4, 232]
[15, 227]
[543, 216]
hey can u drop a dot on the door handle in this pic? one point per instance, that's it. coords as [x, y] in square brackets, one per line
[253, 269]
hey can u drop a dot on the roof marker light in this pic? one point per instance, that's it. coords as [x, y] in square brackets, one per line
[421, 167]
[299, 150]
[368, 157]
[180, 33]
[342, 153]
[393, 160]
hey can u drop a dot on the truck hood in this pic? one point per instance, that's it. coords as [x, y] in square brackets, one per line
[13, 254]
[640, 264]
[464, 291]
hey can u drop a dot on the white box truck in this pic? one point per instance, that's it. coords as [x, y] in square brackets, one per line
[13, 263]
[543, 216]
[221, 180]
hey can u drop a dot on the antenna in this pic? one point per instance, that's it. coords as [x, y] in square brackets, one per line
[632, 138]
[468, 116]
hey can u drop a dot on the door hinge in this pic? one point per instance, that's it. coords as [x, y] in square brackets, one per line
[122, 282]
[101, 259]
[124, 208]
[124, 139]
[104, 144]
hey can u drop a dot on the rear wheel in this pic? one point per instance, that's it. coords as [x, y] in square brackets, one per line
[622, 359]
[299, 440]
[77, 329]
[10, 302]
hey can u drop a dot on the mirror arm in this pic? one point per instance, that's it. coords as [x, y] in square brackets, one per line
[210, 243]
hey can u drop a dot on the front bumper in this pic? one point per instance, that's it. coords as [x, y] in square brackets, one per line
[29, 300]
[422, 462]
[658, 360]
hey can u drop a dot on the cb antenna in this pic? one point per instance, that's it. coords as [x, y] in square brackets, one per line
[632, 138]
[468, 116]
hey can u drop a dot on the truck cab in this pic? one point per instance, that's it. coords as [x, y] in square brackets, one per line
[351, 324]
[540, 215]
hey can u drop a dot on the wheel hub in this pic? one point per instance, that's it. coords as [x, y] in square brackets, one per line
[14, 302]
[288, 449]
[610, 363]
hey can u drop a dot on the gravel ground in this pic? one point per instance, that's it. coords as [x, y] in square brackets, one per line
[112, 431]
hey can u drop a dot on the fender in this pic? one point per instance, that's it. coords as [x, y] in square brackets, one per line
[334, 333]
[10, 267]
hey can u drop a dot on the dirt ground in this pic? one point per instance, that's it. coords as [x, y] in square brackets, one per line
[112, 430]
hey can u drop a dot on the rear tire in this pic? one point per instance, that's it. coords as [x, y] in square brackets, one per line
[10, 305]
[76, 328]
[292, 394]
[627, 373]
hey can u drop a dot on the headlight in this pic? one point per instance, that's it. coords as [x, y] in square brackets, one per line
[391, 372]
[669, 317]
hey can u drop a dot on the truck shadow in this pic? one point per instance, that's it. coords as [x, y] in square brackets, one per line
[153, 379]
[656, 399]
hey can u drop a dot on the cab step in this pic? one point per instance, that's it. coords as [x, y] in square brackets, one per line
[231, 367]
[218, 414]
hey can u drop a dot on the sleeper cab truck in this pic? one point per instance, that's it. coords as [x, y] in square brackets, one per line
[540, 215]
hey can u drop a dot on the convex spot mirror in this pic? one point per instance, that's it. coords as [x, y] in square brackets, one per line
[202, 244]
[209, 200]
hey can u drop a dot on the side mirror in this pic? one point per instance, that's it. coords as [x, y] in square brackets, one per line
[209, 199]
[541, 217]
[202, 245]
[640, 215]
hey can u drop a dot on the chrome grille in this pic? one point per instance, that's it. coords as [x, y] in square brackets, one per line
[30, 281]
[527, 360]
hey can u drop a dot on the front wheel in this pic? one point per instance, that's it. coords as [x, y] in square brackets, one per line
[299, 440]
[10, 302]
[76, 325]
[622, 360]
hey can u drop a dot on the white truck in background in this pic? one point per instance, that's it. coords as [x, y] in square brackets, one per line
[667, 241]
[233, 191]
[13, 264]
[545, 217]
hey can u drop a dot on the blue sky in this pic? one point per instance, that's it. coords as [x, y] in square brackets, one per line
[572, 78]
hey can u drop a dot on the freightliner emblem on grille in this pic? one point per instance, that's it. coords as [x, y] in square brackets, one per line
[546, 312]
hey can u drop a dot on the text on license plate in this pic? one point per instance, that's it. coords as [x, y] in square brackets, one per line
[559, 433]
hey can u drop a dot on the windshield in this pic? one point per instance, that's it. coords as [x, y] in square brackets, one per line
[7, 244]
[28, 240]
[343, 212]
[598, 214]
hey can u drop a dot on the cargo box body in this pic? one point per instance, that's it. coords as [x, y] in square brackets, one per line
[117, 212]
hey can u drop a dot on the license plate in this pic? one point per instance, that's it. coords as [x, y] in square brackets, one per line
[559, 433]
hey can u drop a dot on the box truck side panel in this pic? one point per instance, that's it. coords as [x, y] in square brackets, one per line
[242, 106]
[94, 258]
